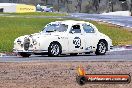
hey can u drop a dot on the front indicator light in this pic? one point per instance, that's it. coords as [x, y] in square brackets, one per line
[34, 42]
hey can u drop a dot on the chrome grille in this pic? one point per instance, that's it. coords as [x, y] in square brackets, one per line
[26, 44]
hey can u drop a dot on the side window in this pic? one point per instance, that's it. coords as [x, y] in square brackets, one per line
[62, 28]
[88, 28]
[75, 29]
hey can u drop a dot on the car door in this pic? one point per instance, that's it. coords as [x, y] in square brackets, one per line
[76, 39]
[91, 39]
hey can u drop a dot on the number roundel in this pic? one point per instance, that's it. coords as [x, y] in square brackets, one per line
[77, 42]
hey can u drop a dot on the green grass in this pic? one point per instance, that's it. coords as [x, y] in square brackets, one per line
[119, 36]
[11, 28]
[37, 14]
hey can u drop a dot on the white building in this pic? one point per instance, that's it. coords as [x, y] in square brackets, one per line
[16, 8]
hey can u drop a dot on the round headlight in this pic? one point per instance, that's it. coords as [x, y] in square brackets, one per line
[19, 41]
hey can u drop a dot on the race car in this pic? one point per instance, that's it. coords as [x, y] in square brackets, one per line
[64, 37]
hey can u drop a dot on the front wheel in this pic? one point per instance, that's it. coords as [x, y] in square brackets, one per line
[101, 48]
[24, 54]
[54, 49]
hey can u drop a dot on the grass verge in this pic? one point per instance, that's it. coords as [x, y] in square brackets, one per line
[11, 28]
[37, 14]
[119, 36]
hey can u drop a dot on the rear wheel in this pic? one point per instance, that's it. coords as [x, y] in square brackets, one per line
[54, 49]
[24, 54]
[101, 48]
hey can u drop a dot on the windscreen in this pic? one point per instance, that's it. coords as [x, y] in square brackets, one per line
[55, 28]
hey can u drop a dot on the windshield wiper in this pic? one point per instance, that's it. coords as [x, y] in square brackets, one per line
[49, 31]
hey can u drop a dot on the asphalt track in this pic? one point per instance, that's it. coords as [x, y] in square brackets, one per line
[125, 55]
[124, 21]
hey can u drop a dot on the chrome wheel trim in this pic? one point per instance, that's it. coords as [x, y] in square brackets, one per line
[102, 47]
[55, 49]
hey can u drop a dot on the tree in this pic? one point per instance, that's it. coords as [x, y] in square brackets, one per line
[96, 4]
[58, 5]
[66, 5]
[79, 5]
[34, 2]
[89, 7]
[46, 2]
[124, 6]
[111, 6]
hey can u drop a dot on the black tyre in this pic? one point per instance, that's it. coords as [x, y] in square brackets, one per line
[24, 54]
[54, 49]
[101, 48]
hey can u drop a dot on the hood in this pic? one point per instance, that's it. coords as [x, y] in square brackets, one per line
[40, 35]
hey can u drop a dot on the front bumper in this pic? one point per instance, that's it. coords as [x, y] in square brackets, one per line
[30, 51]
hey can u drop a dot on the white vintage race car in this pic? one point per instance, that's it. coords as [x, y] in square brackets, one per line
[64, 37]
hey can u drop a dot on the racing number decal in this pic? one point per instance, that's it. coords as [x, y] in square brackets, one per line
[77, 42]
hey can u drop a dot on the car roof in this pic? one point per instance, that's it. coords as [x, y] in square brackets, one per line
[74, 22]
[70, 22]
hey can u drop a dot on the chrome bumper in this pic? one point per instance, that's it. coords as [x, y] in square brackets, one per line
[30, 51]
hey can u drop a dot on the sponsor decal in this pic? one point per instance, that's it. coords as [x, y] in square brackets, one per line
[84, 78]
[26, 9]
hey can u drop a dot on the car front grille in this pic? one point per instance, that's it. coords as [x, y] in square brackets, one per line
[26, 44]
